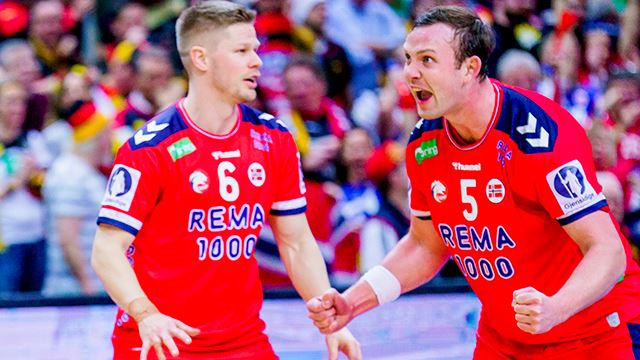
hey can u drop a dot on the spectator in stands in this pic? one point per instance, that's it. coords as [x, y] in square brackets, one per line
[562, 57]
[55, 49]
[357, 201]
[22, 233]
[604, 143]
[73, 190]
[369, 31]
[18, 60]
[519, 68]
[309, 37]
[130, 25]
[390, 223]
[154, 89]
[275, 31]
[517, 26]
[622, 106]
[318, 124]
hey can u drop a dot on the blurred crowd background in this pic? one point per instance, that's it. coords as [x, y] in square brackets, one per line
[78, 77]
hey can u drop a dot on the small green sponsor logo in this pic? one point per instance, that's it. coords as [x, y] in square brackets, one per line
[181, 148]
[426, 150]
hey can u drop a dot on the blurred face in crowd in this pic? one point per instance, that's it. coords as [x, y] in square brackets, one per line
[20, 62]
[305, 89]
[357, 147]
[130, 18]
[46, 21]
[13, 105]
[75, 87]
[562, 53]
[597, 44]
[524, 77]
[626, 99]
[230, 62]
[317, 16]
[122, 75]
[154, 73]
[430, 69]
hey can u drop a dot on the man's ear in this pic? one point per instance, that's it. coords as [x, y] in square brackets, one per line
[198, 57]
[472, 65]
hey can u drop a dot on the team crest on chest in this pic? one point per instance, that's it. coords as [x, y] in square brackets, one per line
[438, 191]
[199, 181]
[495, 191]
[256, 173]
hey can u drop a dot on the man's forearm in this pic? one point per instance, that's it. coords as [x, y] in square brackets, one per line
[110, 263]
[596, 274]
[306, 269]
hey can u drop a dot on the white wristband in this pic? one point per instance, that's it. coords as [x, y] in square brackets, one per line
[384, 284]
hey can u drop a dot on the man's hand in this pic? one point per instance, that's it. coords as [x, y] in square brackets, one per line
[536, 313]
[158, 329]
[330, 312]
[342, 340]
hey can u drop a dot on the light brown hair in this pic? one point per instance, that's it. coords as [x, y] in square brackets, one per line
[206, 16]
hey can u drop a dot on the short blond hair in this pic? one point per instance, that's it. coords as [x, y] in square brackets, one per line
[206, 16]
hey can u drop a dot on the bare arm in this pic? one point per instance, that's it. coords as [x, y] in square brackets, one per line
[110, 263]
[300, 254]
[68, 229]
[306, 268]
[604, 262]
[415, 260]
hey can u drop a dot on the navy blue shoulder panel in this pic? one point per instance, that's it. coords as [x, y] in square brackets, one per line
[526, 123]
[424, 126]
[260, 118]
[158, 129]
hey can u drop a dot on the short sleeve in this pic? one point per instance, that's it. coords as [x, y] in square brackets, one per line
[289, 188]
[566, 182]
[417, 198]
[133, 189]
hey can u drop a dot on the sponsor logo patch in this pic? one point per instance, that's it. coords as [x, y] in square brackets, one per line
[571, 187]
[426, 150]
[181, 148]
[199, 181]
[438, 191]
[122, 187]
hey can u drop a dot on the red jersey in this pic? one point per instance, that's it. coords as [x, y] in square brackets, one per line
[499, 206]
[196, 203]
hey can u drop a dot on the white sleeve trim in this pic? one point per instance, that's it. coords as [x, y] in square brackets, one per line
[419, 213]
[289, 204]
[121, 217]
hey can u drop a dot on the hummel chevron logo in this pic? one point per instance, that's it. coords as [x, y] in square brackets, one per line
[148, 132]
[530, 128]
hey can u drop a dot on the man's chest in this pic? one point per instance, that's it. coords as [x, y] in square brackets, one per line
[224, 173]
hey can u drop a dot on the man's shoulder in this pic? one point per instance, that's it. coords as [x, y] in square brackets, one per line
[157, 130]
[531, 120]
[262, 119]
[425, 127]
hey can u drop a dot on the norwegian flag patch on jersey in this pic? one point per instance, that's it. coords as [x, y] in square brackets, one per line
[495, 191]
[571, 187]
